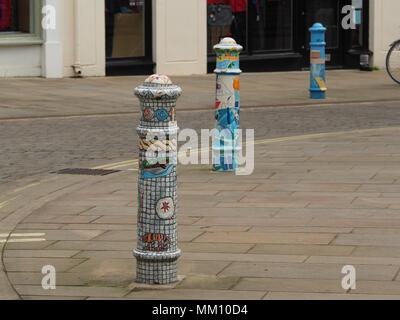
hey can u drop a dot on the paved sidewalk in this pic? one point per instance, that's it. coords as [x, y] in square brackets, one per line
[313, 205]
[35, 97]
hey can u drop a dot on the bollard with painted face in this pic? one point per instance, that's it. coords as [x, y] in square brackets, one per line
[157, 250]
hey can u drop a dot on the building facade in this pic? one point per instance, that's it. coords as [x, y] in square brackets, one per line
[176, 37]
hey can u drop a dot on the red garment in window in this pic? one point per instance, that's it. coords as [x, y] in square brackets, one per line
[5, 14]
[238, 5]
[218, 1]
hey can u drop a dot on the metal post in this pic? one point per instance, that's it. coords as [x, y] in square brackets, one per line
[317, 64]
[226, 140]
[157, 249]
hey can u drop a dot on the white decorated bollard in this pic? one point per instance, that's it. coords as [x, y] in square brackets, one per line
[226, 145]
[157, 246]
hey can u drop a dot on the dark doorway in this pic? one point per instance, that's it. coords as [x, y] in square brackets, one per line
[327, 12]
[128, 37]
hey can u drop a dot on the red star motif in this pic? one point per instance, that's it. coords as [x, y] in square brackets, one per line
[165, 207]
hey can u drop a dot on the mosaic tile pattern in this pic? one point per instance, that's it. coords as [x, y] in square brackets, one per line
[227, 104]
[157, 250]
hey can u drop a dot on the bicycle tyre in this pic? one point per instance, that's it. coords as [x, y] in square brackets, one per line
[395, 78]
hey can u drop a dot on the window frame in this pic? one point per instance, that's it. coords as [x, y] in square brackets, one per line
[32, 38]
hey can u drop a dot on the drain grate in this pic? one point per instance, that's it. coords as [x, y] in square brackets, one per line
[87, 172]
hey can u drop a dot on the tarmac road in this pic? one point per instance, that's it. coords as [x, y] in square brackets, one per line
[32, 147]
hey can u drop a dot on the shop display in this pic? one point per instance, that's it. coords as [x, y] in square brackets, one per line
[125, 30]
[128, 35]
[5, 15]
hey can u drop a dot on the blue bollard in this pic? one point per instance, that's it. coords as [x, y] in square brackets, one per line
[226, 145]
[317, 62]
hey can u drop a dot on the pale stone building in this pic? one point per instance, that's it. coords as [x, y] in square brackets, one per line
[175, 37]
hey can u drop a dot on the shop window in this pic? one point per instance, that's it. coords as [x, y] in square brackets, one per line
[258, 25]
[15, 16]
[125, 28]
[357, 40]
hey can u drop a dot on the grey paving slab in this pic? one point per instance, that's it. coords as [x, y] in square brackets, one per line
[29, 245]
[326, 296]
[270, 222]
[99, 227]
[388, 261]
[272, 238]
[35, 279]
[309, 271]
[215, 247]
[204, 282]
[188, 267]
[40, 253]
[72, 291]
[54, 298]
[52, 219]
[301, 249]
[321, 286]
[38, 226]
[312, 206]
[376, 251]
[7, 291]
[344, 213]
[36, 264]
[190, 294]
[229, 212]
[233, 257]
[92, 245]
[73, 235]
[109, 211]
[394, 231]
[331, 230]
[368, 240]
[112, 254]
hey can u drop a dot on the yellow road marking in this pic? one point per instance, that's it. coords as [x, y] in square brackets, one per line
[120, 164]
[7, 202]
[22, 240]
[128, 163]
[19, 235]
[26, 187]
[320, 135]
[134, 164]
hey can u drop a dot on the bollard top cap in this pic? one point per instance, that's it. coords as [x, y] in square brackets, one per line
[158, 87]
[228, 44]
[158, 79]
[317, 27]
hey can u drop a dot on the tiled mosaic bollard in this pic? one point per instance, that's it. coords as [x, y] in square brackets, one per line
[226, 145]
[157, 250]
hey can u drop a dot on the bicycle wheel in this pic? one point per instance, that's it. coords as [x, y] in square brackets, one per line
[393, 62]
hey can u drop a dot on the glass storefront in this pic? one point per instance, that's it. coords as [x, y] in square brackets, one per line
[125, 28]
[128, 36]
[15, 16]
[275, 35]
[258, 25]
